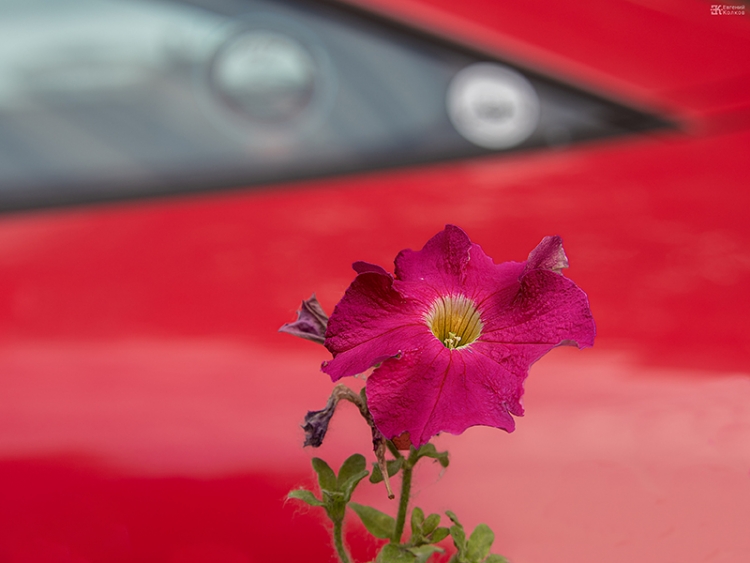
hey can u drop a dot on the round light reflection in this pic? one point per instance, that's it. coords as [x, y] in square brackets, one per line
[492, 106]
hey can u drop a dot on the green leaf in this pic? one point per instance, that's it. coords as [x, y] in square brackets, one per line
[352, 483]
[377, 475]
[453, 517]
[326, 476]
[429, 450]
[351, 467]
[480, 543]
[496, 559]
[439, 535]
[394, 466]
[335, 506]
[379, 524]
[430, 524]
[417, 519]
[394, 553]
[305, 496]
[424, 552]
[459, 538]
[443, 459]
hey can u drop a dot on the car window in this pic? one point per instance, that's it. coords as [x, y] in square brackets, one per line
[103, 99]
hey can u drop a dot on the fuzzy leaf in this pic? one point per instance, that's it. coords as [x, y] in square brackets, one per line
[335, 505]
[305, 496]
[480, 543]
[393, 553]
[429, 450]
[351, 466]
[459, 538]
[353, 469]
[439, 535]
[379, 524]
[352, 483]
[394, 466]
[377, 475]
[453, 517]
[424, 552]
[417, 520]
[326, 476]
[496, 559]
[430, 523]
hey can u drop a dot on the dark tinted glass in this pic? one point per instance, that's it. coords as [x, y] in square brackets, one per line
[104, 99]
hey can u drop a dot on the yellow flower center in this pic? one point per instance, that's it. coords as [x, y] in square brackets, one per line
[454, 320]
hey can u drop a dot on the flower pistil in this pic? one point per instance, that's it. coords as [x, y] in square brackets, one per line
[454, 320]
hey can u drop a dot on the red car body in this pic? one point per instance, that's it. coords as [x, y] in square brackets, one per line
[150, 411]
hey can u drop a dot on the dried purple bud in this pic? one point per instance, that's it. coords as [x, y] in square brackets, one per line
[316, 423]
[311, 322]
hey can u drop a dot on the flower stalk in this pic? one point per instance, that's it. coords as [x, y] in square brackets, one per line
[403, 502]
[338, 541]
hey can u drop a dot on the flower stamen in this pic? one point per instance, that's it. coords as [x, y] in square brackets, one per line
[455, 321]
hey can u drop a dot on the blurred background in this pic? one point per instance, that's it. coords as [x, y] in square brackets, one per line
[176, 176]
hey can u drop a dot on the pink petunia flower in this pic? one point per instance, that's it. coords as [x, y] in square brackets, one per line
[453, 334]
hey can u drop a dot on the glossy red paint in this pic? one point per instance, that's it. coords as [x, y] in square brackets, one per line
[149, 409]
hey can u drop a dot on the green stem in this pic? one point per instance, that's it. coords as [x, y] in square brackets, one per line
[403, 503]
[338, 526]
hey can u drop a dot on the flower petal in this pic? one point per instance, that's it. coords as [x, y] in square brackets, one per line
[479, 277]
[435, 390]
[512, 363]
[440, 264]
[547, 309]
[485, 279]
[424, 387]
[371, 323]
[548, 255]
[362, 267]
